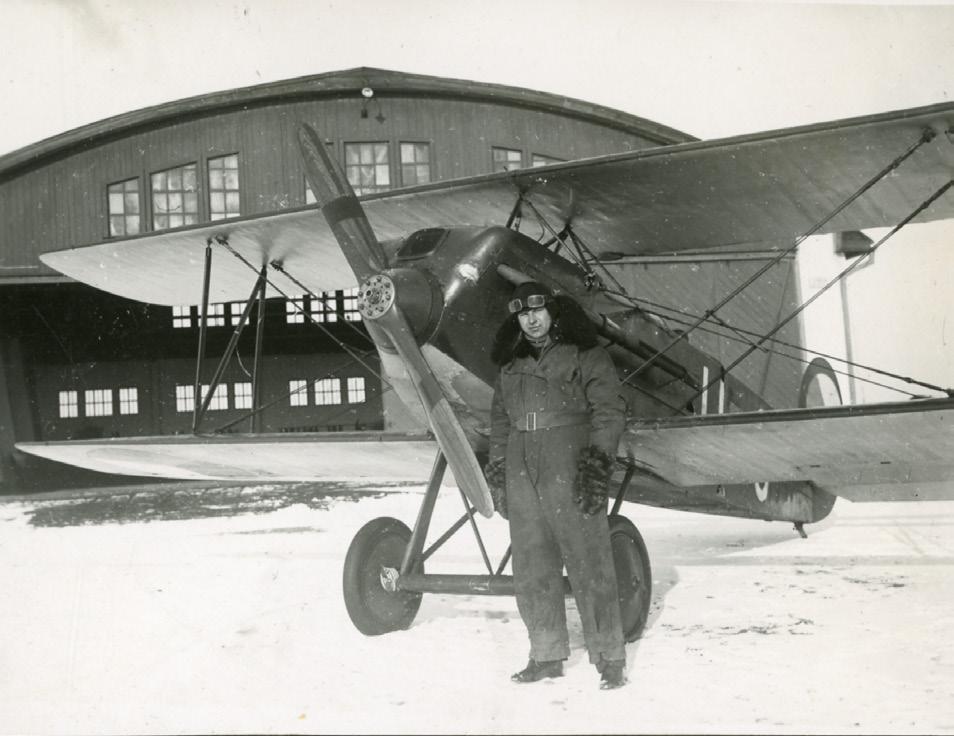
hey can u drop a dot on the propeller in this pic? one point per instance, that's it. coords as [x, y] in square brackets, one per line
[379, 300]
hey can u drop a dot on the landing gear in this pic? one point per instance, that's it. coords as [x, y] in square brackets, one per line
[384, 575]
[634, 578]
[377, 549]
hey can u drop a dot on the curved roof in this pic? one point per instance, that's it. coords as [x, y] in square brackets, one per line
[335, 84]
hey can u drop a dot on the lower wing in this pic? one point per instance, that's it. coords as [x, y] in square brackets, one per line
[782, 464]
[791, 464]
[370, 457]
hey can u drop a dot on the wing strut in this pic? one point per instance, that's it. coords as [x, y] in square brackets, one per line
[257, 296]
[926, 137]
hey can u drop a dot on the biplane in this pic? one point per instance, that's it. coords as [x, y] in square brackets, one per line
[435, 265]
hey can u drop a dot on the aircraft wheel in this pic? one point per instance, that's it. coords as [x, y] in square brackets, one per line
[633, 575]
[373, 609]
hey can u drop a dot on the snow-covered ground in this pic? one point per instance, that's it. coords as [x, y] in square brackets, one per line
[129, 620]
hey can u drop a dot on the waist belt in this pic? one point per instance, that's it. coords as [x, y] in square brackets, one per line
[535, 420]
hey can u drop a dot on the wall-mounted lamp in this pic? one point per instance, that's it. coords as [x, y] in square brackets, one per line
[367, 93]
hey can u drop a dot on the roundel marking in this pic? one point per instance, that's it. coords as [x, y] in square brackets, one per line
[761, 491]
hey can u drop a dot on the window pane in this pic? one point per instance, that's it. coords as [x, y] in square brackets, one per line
[298, 393]
[123, 207]
[189, 178]
[294, 311]
[224, 187]
[540, 160]
[172, 206]
[185, 398]
[243, 395]
[356, 390]
[99, 402]
[69, 404]
[506, 159]
[129, 401]
[327, 391]
[367, 166]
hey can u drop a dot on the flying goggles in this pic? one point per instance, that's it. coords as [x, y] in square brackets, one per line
[534, 301]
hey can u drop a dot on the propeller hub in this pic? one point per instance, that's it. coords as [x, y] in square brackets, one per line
[376, 296]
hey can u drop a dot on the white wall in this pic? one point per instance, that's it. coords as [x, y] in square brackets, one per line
[900, 309]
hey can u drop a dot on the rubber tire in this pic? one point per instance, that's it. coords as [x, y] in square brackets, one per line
[634, 577]
[373, 610]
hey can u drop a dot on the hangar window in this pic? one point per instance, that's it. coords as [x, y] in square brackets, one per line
[174, 197]
[538, 159]
[327, 391]
[298, 393]
[349, 300]
[506, 159]
[185, 398]
[215, 317]
[129, 401]
[69, 404]
[356, 390]
[242, 395]
[324, 307]
[224, 187]
[98, 402]
[182, 316]
[235, 312]
[294, 311]
[367, 167]
[415, 163]
[220, 397]
[123, 207]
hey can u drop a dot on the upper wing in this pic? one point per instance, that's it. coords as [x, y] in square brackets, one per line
[745, 192]
[864, 452]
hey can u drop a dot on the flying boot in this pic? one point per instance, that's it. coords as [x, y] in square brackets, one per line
[535, 670]
[612, 674]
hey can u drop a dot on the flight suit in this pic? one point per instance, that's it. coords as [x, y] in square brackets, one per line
[545, 411]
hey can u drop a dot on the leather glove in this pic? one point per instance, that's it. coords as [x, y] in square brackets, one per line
[495, 471]
[592, 480]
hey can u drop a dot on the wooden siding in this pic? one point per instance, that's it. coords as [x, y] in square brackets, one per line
[63, 203]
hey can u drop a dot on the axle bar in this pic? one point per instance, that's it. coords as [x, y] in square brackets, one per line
[462, 584]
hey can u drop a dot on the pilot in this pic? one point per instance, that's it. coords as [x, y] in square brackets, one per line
[556, 420]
